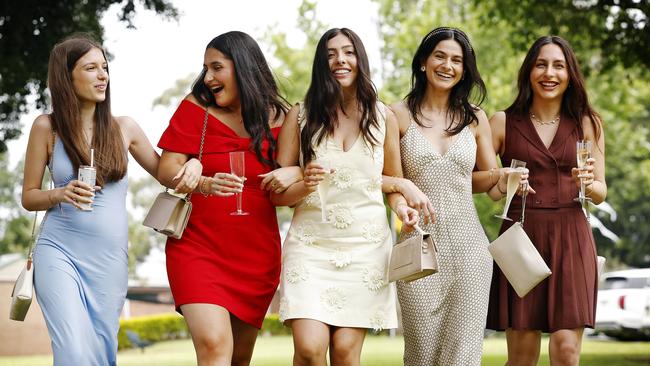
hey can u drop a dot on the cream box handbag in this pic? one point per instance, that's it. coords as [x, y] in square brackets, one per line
[518, 258]
[413, 258]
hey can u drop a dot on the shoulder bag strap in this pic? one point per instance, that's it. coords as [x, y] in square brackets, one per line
[205, 127]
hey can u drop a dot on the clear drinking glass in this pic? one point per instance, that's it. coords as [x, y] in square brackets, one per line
[323, 188]
[237, 167]
[514, 177]
[583, 152]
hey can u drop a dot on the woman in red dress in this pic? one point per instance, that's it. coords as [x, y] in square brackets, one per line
[551, 113]
[225, 269]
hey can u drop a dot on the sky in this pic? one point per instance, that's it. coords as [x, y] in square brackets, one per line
[148, 60]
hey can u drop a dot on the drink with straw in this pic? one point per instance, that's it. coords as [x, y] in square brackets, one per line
[88, 175]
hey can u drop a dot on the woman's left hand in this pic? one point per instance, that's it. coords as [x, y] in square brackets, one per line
[189, 176]
[279, 180]
[586, 173]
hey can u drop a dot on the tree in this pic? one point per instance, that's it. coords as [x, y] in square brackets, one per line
[612, 31]
[29, 29]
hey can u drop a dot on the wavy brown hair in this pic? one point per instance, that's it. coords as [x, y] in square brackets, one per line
[575, 102]
[110, 157]
[325, 96]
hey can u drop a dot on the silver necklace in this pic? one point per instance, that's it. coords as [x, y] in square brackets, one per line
[551, 122]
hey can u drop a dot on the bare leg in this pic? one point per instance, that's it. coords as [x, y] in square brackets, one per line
[310, 341]
[564, 347]
[244, 337]
[211, 333]
[345, 346]
[523, 347]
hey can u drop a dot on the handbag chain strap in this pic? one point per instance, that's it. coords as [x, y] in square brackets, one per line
[205, 127]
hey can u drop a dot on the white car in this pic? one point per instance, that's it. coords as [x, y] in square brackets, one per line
[623, 310]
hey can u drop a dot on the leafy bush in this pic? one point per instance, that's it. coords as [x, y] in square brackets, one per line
[164, 327]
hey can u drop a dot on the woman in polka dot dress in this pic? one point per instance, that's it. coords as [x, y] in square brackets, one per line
[443, 137]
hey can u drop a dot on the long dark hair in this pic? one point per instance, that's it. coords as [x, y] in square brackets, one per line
[575, 102]
[460, 109]
[110, 157]
[325, 96]
[258, 91]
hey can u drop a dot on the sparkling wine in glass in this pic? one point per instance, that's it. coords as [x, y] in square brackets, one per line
[514, 177]
[237, 168]
[583, 152]
[323, 188]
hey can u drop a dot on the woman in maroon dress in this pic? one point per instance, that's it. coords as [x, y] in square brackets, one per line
[551, 113]
[225, 269]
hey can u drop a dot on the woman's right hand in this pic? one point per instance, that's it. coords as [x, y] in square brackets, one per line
[189, 175]
[75, 192]
[222, 185]
[313, 175]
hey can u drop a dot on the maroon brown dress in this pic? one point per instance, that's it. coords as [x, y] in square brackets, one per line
[558, 228]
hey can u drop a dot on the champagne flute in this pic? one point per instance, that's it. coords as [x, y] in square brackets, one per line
[323, 188]
[237, 167]
[583, 152]
[514, 177]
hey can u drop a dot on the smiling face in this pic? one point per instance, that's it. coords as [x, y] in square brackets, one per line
[90, 76]
[220, 77]
[549, 77]
[444, 66]
[342, 60]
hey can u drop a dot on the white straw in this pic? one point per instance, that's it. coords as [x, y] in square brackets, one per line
[92, 156]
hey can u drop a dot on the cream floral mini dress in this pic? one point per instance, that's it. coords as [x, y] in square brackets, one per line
[336, 271]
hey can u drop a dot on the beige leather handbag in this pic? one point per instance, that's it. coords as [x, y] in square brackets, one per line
[169, 214]
[413, 258]
[518, 258]
[170, 211]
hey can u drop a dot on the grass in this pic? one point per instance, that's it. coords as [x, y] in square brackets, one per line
[377, 351]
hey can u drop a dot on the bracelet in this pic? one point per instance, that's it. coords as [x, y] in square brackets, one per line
[203, 192]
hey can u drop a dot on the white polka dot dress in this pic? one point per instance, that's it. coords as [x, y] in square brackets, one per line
[336, 272]
[444, 314]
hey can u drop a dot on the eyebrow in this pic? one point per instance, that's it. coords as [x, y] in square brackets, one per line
[344, 47]
[445, 53]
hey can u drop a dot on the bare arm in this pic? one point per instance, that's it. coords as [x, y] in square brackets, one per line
[139, 145]
[486, 176]
[38, 150]
[288, 155]
[393, 168]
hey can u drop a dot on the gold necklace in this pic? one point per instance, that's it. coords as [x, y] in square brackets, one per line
[551, 122]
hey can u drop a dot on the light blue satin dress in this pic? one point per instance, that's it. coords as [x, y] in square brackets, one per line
[81, 270]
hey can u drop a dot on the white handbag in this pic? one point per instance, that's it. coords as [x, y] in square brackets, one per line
[518, 258]
[23, 292]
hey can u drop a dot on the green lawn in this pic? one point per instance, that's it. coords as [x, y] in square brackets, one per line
[377, 351]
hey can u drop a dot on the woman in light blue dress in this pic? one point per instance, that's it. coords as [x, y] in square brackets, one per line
[81, 263]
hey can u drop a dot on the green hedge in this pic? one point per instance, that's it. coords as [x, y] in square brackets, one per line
[168, 326]
[153, 328]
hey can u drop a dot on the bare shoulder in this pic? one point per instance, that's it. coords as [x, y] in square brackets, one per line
[42, 123]
[588, 127]
[402, 115]
[191, 98]
[498, 119]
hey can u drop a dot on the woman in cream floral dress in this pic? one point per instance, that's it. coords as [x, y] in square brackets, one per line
[334, 281]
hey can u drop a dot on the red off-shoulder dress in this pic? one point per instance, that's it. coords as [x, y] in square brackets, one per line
[230, 261]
